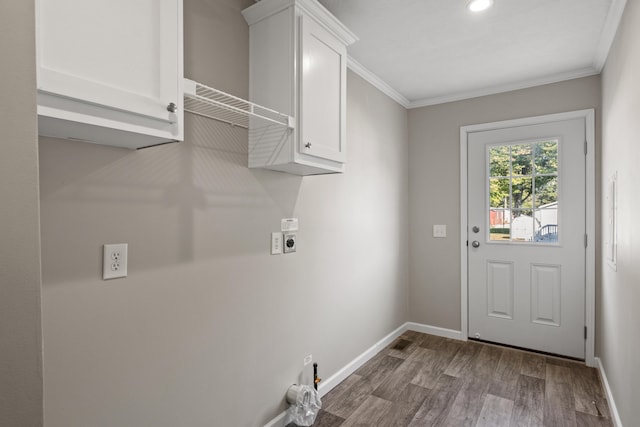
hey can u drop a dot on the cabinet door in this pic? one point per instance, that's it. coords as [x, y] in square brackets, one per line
[323, 91]
[119, 54]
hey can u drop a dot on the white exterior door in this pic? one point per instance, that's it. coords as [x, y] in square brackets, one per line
[526, 236]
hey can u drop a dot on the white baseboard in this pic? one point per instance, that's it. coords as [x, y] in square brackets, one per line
[353, 366]
[335, 379]
[615, 416]
[277, 421]
[437, 331]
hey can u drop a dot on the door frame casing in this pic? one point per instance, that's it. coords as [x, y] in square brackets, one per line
[590, 212]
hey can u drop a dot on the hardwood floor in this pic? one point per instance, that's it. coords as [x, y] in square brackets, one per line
[423, 380]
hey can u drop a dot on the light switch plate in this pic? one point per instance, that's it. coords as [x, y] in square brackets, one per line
[440, 230]
[276, 243]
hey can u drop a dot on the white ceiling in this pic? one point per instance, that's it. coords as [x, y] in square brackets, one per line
[424, 52]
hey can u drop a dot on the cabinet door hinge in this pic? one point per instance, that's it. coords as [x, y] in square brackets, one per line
[586, 240]
[585, 148]
[585, 332]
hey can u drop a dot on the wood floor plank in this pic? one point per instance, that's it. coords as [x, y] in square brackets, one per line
[405, 407]
[485, 363]
[341, 391]
[588, 420]
[350, 400]
[378, 370]
[505, 379]
[559, 402]
[467, 403]
[559, 361]
[371, 365]
[462, 359]
[402, 348]
[496, 412]
[394, 384]
[444, 346]
[586, 389]
[414, 336]
[327, 419]
[533, 365]
[423, 355]
[436, 406]
[528, 407]
[369, 413]
[434, 364]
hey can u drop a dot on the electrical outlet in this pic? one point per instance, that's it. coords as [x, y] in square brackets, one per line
[114, 262]
[308, 360]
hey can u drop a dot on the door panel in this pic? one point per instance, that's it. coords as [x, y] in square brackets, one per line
[546, 289]
[500, 289]
[119, 54]
[526, 195]
[323, 83]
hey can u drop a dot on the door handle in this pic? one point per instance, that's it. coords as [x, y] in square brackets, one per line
[475, 244]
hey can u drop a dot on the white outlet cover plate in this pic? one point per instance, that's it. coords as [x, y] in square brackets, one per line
[289, 224]
[114, 262]
[439, 230]
[308, 359]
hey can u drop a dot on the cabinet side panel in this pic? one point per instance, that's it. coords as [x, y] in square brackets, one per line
[272, 79]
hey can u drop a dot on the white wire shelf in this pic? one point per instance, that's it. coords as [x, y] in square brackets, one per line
[217, 105]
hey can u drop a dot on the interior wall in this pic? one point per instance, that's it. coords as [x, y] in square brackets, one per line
[208, 328]
[434, 184]
[619, 345]
[20, 318]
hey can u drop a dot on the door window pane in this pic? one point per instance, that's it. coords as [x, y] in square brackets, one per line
[523, 192]
[546, 191]
[521, 159]
[499, 161]
[499, 193]
[546, 157]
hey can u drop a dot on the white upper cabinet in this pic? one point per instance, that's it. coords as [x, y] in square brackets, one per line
[110, 72]
[298, 64]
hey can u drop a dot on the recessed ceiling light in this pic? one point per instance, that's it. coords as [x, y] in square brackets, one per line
[479, 5]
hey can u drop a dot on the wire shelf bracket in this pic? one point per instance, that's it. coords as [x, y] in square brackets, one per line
[217, 105]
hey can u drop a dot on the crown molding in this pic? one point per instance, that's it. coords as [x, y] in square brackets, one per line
[377, 82]
[608, 33]
[607, 36]
[263, 9]
[555, 78]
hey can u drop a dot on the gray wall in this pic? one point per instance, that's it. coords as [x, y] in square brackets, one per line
[209, 329]
[434, 184]
[20, 323]
[619, 345]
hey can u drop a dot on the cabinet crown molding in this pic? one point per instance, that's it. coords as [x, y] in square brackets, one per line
[265, 8]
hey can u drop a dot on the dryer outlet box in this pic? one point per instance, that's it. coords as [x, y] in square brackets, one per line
[289, 243]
